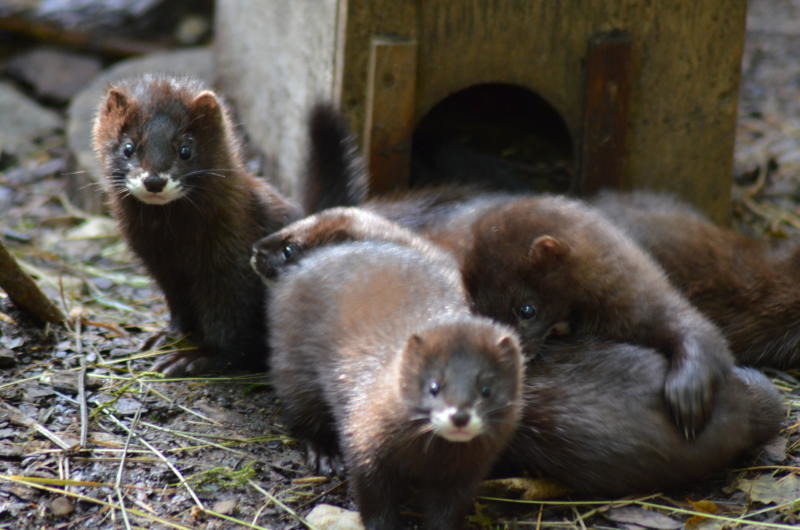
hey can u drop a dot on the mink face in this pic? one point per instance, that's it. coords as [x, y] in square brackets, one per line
[458, 386]
[517, 276]
[162, 140]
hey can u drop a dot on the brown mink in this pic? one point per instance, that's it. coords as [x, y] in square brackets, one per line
[375, 353]
[191, 212]
[595, 420]
[550, 263]
[745, 286]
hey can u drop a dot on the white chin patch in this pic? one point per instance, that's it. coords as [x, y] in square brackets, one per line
[171, 191]
[443, 425]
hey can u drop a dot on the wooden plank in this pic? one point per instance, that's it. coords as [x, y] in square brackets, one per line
[389, 118]
[606, 102]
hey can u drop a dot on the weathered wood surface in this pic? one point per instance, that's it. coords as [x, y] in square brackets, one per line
[685, 61]
[606, 101]
[389, 121]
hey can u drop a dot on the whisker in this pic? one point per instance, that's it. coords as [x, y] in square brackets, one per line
[209, 171]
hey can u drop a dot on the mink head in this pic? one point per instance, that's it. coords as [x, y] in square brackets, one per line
[463, 380]
[160, 139]
[519, 276]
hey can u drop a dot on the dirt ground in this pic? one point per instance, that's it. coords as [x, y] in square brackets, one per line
[210, 452]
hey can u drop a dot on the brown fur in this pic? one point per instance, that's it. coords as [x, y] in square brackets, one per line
[197, 246]
[560, 261]
[742, 284]
[570, 265]
[595, 420]
[359, 332]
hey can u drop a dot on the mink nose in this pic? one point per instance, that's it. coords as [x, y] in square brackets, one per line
[154, 183]
[460, 418]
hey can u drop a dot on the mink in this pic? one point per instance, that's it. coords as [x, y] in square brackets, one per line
[375, 354]
[746, 286]
[190, 211]
[549, 265]
[595, 421]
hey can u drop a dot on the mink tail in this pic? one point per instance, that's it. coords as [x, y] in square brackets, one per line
[335, 173]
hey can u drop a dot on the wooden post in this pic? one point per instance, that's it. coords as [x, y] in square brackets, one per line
[389, 121]
[606, 99]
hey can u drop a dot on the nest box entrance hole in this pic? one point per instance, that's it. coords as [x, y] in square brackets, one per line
[500, 136]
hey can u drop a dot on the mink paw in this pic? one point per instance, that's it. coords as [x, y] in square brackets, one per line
[272, 253]
[324, 462]
[689, 390]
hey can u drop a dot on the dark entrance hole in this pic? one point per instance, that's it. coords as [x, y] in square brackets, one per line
[501, 136]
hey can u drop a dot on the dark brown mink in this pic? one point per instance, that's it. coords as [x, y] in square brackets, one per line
[191, 212]
[545, 264]
[595, 420]
[535, 262]
[375, 353]
[745, 286]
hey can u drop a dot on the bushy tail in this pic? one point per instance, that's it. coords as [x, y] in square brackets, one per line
[335, 173]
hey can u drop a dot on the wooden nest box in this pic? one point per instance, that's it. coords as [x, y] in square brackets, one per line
[560, 95]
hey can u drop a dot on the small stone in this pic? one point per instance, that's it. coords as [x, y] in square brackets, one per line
[54, 75]
[61, 507]
[7, 358]
[225, 507]
[127, 406]
[24, 121]
[328, 517]
[192, 29]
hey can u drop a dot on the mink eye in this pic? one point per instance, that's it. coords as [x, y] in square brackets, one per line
[525, 311]
[185, 152]
[433, 388]
[486, 391]
[127, 149]
[289, 250]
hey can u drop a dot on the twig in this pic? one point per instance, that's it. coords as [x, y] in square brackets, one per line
[24, 292]
[18, 418]
[121, 468]
[282, 505]
[27, 482]
[160, 455]
[82, 384]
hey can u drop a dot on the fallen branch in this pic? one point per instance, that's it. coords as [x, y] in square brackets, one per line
[24, 292]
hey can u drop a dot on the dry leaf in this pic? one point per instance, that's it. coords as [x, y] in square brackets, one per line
[701, 506]
[642, 517]
[529, 489]
[766, 489]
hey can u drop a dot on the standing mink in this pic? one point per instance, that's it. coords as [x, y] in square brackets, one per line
[191, 212]
[375, 354]
[745, 286]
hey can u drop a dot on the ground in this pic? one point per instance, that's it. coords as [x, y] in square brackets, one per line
[211, 452]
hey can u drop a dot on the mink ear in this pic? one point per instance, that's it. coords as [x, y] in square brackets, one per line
[508, 346]
[414, 343]
[547, 250]
[116, 100]
[206, 104]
